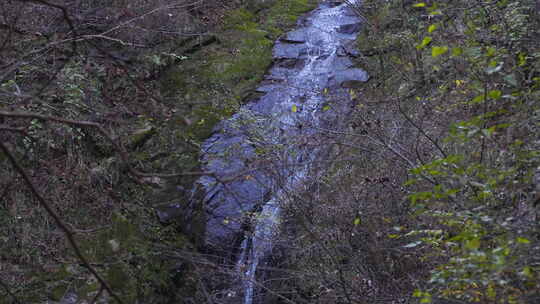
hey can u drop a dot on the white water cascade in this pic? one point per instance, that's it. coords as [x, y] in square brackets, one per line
[320, 42]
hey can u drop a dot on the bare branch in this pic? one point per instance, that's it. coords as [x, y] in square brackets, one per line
[58, 221]
[11, 129]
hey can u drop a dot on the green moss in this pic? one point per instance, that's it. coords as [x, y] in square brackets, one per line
[238, 17]
[117, 277]
[284, 13]
[58, 292]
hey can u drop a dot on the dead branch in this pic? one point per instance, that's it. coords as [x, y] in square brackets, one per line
[58, 221]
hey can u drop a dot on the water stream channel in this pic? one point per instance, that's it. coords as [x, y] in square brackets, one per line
[273, 145]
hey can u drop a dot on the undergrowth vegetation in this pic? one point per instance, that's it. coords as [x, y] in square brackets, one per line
[440, 201]
[104, 106]
[432, 194]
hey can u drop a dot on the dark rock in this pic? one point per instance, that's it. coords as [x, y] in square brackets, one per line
[226, 205]
[350, 28]
[349, 49]
[298, 36]
[289, 63]
[282, 50]
[333, 3]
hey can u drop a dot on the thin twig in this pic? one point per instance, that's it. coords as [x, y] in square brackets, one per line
[421, 130]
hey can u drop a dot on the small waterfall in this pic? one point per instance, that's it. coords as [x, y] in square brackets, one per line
[319, 43]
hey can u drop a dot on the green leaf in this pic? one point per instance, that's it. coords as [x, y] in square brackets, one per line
[326, 108]
[424, 43]
[527, 271]
[357, 221]
[438, 50]
[491, 292]
[522, 240]
[472, 244]
[478, 99]
[425, 300]
[457, 51]
[491, 51]
[487, 132]
[421, 4]
[294, 108]
[495, 94]
[431, 28]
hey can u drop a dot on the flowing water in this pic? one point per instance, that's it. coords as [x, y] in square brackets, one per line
[272, 145]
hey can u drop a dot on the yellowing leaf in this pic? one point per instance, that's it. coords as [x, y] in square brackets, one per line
[421, 4]
[294, 108]
[352, 93]
[425, 42]
[431, 28]
[425, 300]
[522, 240]
[326, 108]
[357, 221]
[438, 50]
[522, 59]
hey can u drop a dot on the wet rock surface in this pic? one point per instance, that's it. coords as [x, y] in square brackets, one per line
[270, 147]
[257, 152]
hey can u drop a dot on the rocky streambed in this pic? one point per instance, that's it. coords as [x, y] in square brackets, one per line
[274, 143]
